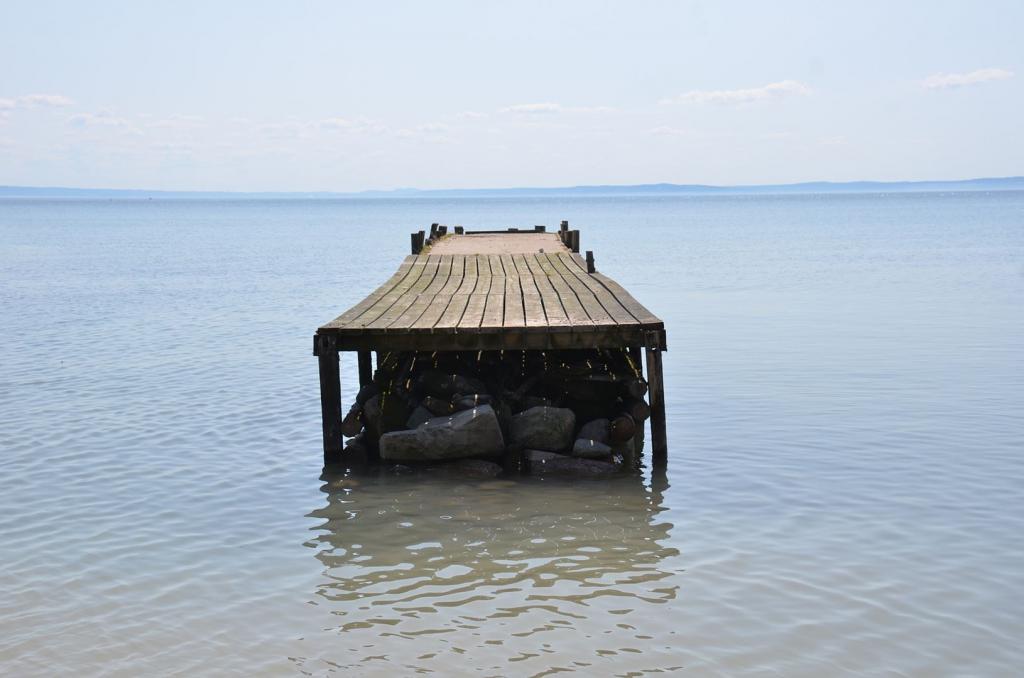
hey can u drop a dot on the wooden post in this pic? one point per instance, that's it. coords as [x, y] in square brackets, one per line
[636, 358]
[330, 397]
[415, 243]
[590, 262]
[365, 368]
[564, 226]
[574, 238]
[459, 230]
[540, 229]
[656, 392]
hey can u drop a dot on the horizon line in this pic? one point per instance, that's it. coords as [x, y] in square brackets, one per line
[7, 189]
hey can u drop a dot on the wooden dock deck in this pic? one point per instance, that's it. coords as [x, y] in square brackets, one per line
[511, 290]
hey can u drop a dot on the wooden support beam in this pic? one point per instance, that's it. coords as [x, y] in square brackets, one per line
[656, 392]
[330, 397]
[636, 362]
[365, 368]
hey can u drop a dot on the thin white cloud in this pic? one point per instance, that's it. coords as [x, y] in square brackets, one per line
[281, 130]
[36, 100]
[773, 90]
[669, 131]
[340, 124]
[429, 131]
[952, 80]
[549, 108]
[470, 115]
[546, 108]
[169, 147]
[176, 122]
[101, 119]
[9, 104]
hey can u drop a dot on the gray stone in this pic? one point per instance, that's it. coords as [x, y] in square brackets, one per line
[590, 449]
[595, 430]
[419, 416]
[536, 401]
[470, 433]
[548, 463]
[467, 402]
[543, 428]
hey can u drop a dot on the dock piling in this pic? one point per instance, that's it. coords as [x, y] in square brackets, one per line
[656, 386]
[365, 368]
[330, 397]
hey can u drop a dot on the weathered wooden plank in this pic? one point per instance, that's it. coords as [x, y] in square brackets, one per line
[477, 303]
[451, 339]
[494, 311]
[440, 302]
[408, 297]
[553, 308]
[585, 296]
[469, 276]
[452, 315]
[616, 310]
[423, 300]
[497, 265]
[449, 320]
[533, 307]
[390, 298]
[638, 310]
[570, 302]
[515, 315]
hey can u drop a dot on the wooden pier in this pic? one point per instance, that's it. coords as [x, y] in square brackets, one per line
[492, 290]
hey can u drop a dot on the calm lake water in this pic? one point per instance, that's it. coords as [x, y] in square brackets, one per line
[845, 490]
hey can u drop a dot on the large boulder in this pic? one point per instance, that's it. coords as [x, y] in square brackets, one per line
[420, 415]
[470, 433]
[595, 430]
[542, 463]
[543, 428]
[590, 449]
[470, 401]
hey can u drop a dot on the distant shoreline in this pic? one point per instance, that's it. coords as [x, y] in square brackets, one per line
[664, 189]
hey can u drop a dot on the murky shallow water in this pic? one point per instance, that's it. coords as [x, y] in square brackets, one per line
[844, 491]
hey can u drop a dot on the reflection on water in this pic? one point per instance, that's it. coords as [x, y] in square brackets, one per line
[501, 575]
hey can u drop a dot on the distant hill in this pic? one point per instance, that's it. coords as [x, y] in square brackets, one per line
[989, 184]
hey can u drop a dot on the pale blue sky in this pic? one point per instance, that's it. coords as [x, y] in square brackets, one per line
[345, 96]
